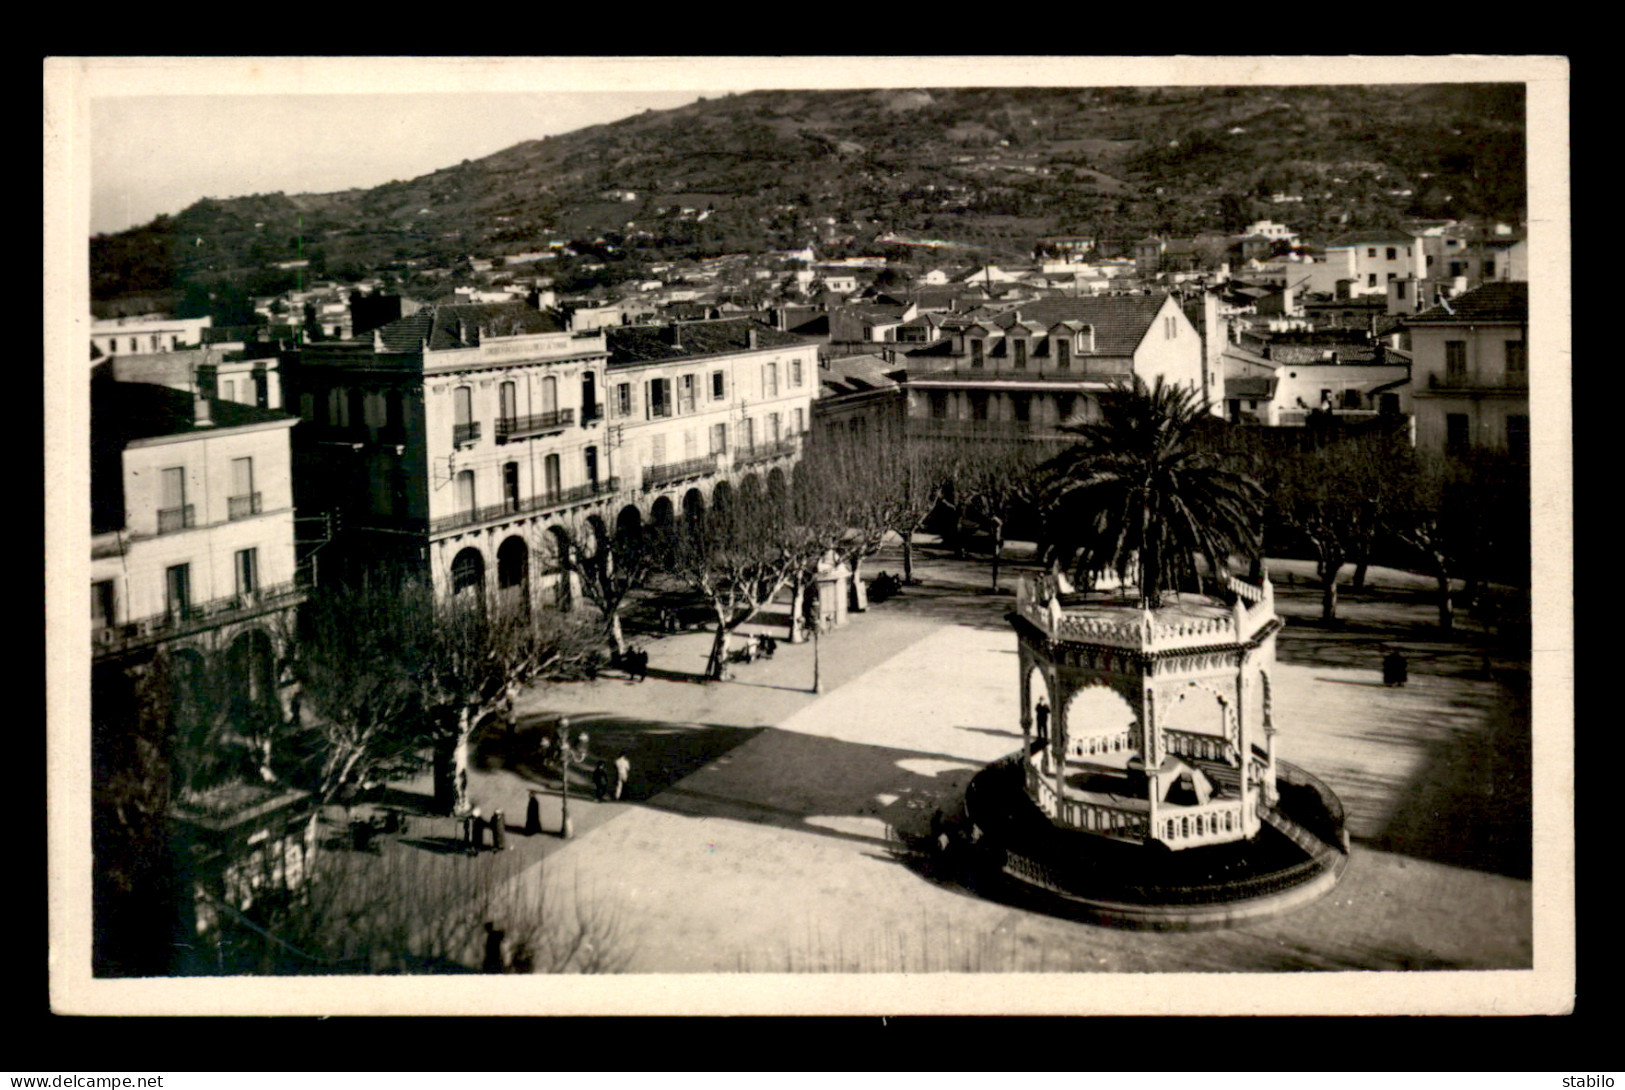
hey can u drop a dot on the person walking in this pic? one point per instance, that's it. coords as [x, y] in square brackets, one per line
[623, 772]
[600, 781]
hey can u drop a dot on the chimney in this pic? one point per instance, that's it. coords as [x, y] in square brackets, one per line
[202, 404]
[751, 339]
[677, 334]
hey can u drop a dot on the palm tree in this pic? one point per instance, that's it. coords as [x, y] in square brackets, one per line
[1144, 494]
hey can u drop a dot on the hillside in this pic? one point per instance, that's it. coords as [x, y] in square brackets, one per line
[990, 169]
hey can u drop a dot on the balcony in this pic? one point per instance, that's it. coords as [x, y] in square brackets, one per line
[1076, 373]
[242, 507]
[520, 427]
[174, 519]
[591, 414]
[764, 452]
[510, 509]
[1502, 384]
[655, 476]
[194, 617]
[465, 433]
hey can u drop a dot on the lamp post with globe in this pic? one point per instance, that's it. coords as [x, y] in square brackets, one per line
[567, 757]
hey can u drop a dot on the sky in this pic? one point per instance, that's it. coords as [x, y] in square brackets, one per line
[153, 154]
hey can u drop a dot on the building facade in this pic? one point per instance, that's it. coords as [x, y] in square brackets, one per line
[1470, 371]
[1029, 370]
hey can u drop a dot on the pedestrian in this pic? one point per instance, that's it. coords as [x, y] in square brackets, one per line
[493, 949]
[474, 831]
[1041, 713]
[600, 781]
[499, 831]
[533, 816]
[623, 772]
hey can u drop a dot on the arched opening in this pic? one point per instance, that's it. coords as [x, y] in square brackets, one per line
[1099, 721]
[513, 574]
[1191, 722]
[630, 521]
[468, 573]
[750, 491]
[693, 509]
[663, 514]
[251, 672]
[563, 589]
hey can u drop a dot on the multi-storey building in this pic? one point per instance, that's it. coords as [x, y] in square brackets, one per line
[452, 441]
[1368, 260]
[1028, 370]
[1470, 371]
[192, 547]
[248, 377]
[697, 406]
[145, 334]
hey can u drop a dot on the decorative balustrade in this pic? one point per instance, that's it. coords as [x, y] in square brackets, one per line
[465, 433]
[763, 452]
[195, 617]
[518, 427]
[497, 511]
[174, 519]
[653, 476]
[1039, 597]
[1098, 745]
[242, 507]
[1204, 747]
[1207, 824]
[1076, 813]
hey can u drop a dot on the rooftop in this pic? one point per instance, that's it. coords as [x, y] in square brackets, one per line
[1498, 301]
[651, 344]
[461, 325]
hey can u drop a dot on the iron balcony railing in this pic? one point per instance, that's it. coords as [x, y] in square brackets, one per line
[590, 413]
[511, 508]
[465, 433]
[763, 452]
[173, 519]
[517, 427]
[1075, 373]
[1510, 382]
[195, 617]
[242, 507]
[653, 476]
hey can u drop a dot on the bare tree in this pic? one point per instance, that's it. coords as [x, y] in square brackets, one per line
[740, 556]
[996, 480]
[610, 565]
[357, 664]
[1453, 514]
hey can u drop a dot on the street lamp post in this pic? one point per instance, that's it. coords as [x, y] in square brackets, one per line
[818, 681]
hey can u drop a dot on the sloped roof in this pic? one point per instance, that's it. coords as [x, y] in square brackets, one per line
[650, 344]
[1373, 237]
[857, 374]
[438, 324]
[1497, 301]
[1120, 321]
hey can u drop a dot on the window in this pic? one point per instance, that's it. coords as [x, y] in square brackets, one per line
[1392, 254]
[1518, 437]
[462, 406]
[750, 434]
[243, 501]
[691, 445]
[550, 395]
[228, 389]
[1063, 353]
[1392, 277]
[976, 352]
[1489, 270]
[247, 566]
[685, 401]
[1371, 280]
[659, 397]
[1517, 359]
[1455, 363]
[1021, 353]
[801, 422]
[1399, 289]
[978, 405]
[510, 485]
[719, 438]
[1371, 251]
[623, 399]
[101, 603]
[465, 491]
[719, 388]
[770, 383]
[795, 372]
[178, 591]
[1430, 260]
[1457, 434]
[1022, 406]
[508, 402]
[939, 405]
[550, 475]
[173, 513]
[591, 458]
[773, 432]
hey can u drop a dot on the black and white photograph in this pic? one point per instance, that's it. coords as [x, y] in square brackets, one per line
[1029, 535]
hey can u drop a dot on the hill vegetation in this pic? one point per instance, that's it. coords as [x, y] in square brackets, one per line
[987, 169]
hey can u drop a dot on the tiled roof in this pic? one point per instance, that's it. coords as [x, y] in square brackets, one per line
[856, 374]
[1498, 301]
[122, 411]
[1260, 387]
[439, 325]
[1370, 238]
[1120, 321]
[648, 344]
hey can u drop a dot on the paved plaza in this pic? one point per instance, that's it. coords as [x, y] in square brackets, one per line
[755, 832]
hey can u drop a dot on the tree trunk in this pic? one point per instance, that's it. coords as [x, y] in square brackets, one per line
[617, 640]
[1360, 566]
[1328, 599]
[860, 593]
[445, 792]
[908, 557]
[798, 611]
[998, 550]
[713, 665]
[459, 761]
